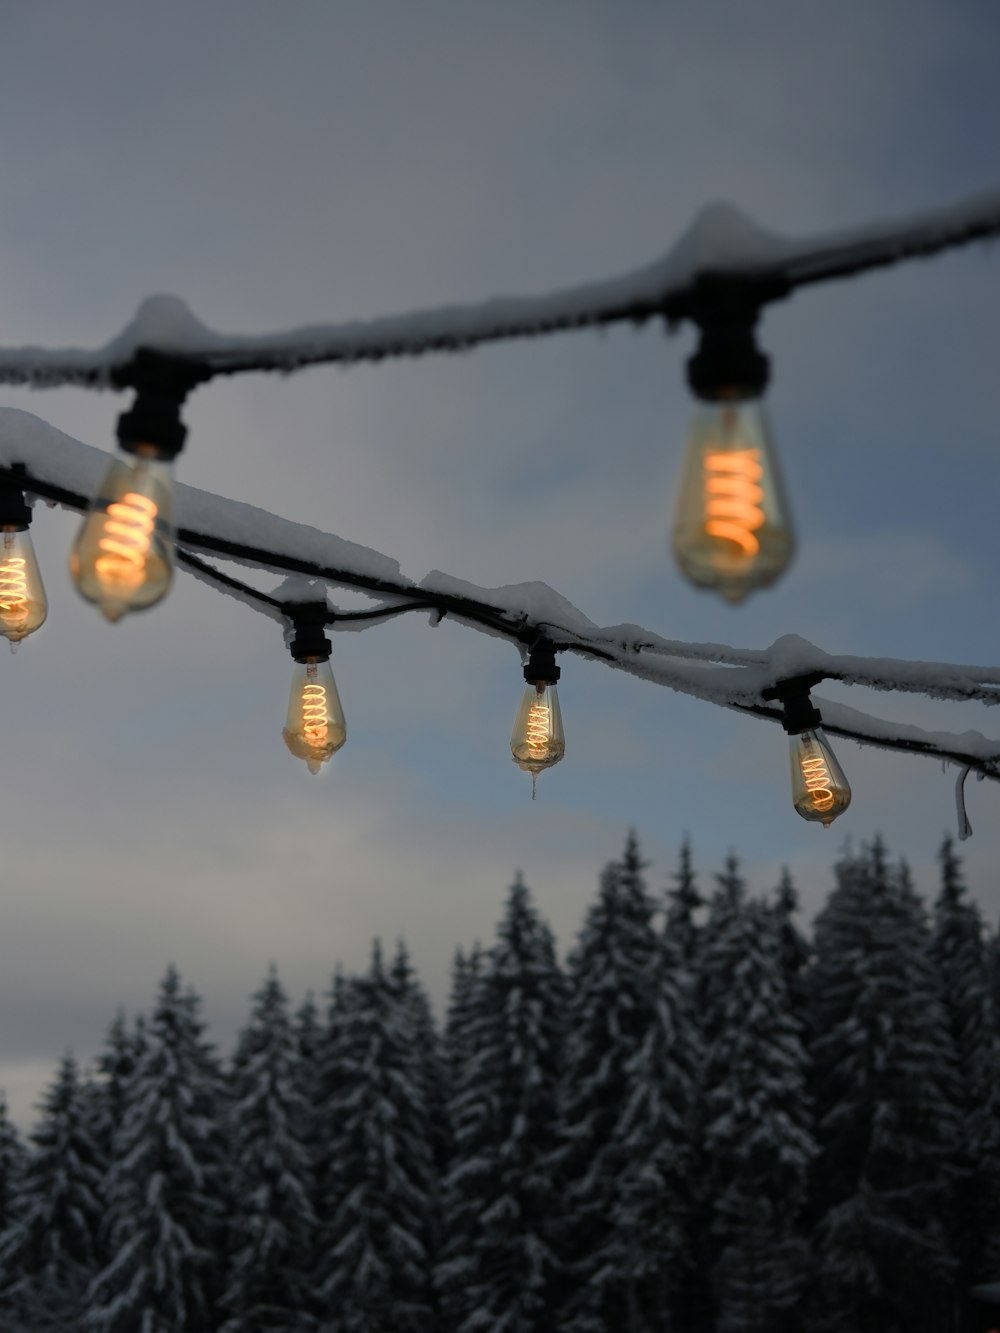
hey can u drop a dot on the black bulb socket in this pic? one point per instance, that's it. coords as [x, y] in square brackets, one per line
[15, 512]
[309, 641]
[799, 712]
[540, 668]
[153, 422]
[728, 365]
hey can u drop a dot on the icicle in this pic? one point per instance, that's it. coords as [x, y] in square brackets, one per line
[13, 645]
[534, 785]
[964, 827]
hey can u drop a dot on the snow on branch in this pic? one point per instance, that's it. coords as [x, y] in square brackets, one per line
[65, 471]
[720, 242]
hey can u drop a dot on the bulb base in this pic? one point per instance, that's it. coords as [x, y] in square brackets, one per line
[308, 640]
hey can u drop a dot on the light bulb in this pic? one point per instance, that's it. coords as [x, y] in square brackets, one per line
[732, 530]
[820, 791]
[314, 728]
[123, 555]
[23, 604]
[537, 741]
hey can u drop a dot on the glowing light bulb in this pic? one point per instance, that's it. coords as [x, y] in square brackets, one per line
[537, 741]
[123, 555]
[820, 792]
[23, 604]
[314, 728]
[732, 530]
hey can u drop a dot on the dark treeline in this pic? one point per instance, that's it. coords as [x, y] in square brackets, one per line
[703, 1123]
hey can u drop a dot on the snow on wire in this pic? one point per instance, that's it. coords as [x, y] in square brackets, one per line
[722, 246]
[720, 243]
[65, 471]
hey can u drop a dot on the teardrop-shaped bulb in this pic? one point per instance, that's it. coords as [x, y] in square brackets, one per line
[538, 741]
[820, 792]
[123, 556]
[314, 728]
[23, 604]
[732, 528]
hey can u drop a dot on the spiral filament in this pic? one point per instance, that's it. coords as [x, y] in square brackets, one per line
[14, 607]
[733, 498]
[538, 729]
[125, 541]
[818, 782]
[315, 727]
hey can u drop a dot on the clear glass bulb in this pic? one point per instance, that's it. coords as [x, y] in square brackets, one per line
[123, 557]
[732, 528]
[820, 792]
[23, 604]
[537, 741]
[314, 728]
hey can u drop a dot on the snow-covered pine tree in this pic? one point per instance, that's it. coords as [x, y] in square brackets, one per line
[794, 950]
[993, 975]
[375, 1235]
[683, 900]
[624, 1119]
[959, 951]
[758, 1133]
[727, 902]
[499, 1192]
[165, 1201]
[115, 1065]
[308, 1036]
[460, 1039]
[885, 1118]
[271, 1234]
[49, 1252]
[467, 1046]
[432, 1058]
[13, 1160]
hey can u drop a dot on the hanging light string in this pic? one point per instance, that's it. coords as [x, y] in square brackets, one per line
[729, 677]
[721, 243]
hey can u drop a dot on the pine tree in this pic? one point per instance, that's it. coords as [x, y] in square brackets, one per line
[726, 904]
[308, 1037]
[959, 950]
[164, 1190]
[499, 1190]
[882, 1080]
[460, 1033]
[376, 1232]
[272, 1231]
[758, 1138]
[115, 1065]
[683, 900]
[429, 1049]
[13, 1160]
[794, 950]
[49, 1252]
[468, 1046]
[624, 1142]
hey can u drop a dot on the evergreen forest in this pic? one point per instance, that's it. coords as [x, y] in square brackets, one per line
[704, 1120]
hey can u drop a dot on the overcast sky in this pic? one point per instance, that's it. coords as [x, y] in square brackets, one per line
[278, 165]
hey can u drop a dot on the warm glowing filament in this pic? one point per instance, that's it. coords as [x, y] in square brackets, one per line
[537, 728]
[818, 782]
[125, 541]
[315, 726]
[13, 592]
[733, 496]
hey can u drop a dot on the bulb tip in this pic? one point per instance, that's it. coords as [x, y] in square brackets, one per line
[13, 645]
[112, 613]
[313, 765]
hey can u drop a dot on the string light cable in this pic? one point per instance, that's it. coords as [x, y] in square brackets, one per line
[733, 530]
